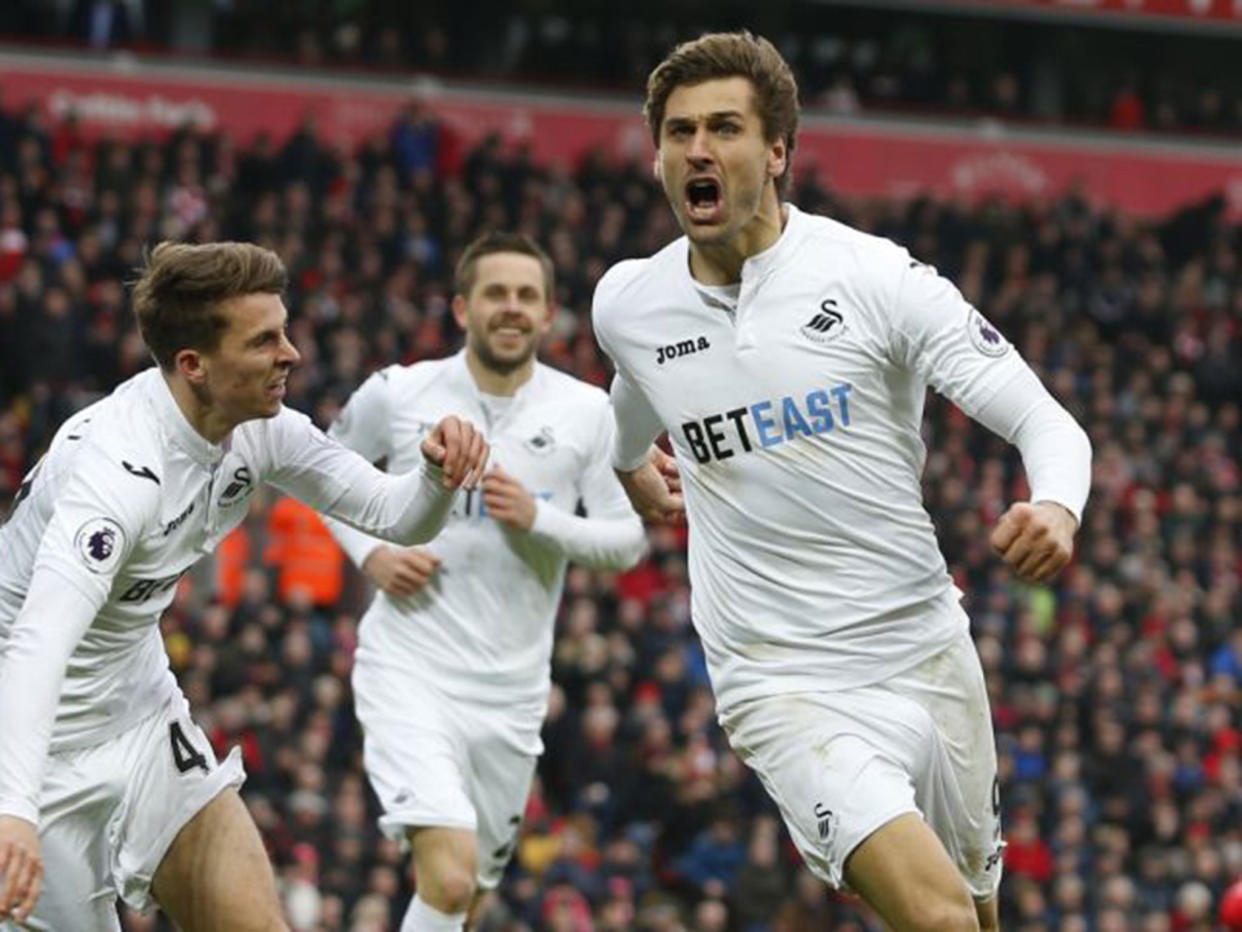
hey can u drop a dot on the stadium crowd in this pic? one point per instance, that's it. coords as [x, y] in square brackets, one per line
[1115, 690]
[850, 59]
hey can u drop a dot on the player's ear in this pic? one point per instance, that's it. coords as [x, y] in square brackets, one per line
[778, 158]
[657, 167]
[189, 363]
[459, 310]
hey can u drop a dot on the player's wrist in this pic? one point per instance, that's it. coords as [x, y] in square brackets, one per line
[1062, 512]
[19, 810]
[370, 563]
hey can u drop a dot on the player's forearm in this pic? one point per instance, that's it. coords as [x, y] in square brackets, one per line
[419, 505]
[600, 543]
[407, 509]
[1055, 450]
[43, 637]
[1057, 455]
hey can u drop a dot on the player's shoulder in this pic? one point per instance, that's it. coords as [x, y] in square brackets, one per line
[569, 390]
[868, 251]
[625, 276]
[122, 425]
[112, 450]
[631, 277]
[404, 380]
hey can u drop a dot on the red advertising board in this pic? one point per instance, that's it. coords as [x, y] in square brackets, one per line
[855, 156]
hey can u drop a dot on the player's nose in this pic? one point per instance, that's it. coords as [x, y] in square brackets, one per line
[699, 151]
[288, 352]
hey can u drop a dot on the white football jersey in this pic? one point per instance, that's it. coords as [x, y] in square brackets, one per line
[481, 629]
[129, 497]
[795, 411]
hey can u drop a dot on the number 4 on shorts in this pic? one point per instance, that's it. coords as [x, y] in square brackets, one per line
[185, 755]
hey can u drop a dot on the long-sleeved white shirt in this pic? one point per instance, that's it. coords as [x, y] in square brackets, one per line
[481, 629]
[794, 404]
[129, 497]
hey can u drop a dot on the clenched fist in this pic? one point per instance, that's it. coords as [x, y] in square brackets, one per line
[1036, 540]
[459, 449]
[654, 489]
[400, 571]
[507, 500]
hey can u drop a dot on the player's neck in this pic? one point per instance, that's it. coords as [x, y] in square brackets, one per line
[721, 263]
[491, 382]
[210, 424]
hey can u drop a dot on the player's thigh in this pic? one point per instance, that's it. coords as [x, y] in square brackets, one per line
[904, 873]
[79, 810]
[501, 768]
[838, 766]
[78, 892]
[172, 777]
[988, 912]
[216, 876]
[957, 790]
[414, 753]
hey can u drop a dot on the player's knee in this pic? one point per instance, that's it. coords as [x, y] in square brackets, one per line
[944, 916]
[450, 889]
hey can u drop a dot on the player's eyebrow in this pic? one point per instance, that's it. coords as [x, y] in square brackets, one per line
[714, 116]
[268, 333]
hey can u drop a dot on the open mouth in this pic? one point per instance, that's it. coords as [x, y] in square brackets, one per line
[703, 202]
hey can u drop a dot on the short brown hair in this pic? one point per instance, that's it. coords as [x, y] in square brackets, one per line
[728, 55]
[501, 241]
[177, 297]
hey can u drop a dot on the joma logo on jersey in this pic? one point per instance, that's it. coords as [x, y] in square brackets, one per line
[681, 348]
[179, 520]
[768, 423]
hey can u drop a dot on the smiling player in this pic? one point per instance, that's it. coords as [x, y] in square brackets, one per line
[452, 673]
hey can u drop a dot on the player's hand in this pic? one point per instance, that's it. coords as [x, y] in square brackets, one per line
[1036, 540]
[507, 500]
[459, 449]
[654, 489]
[21, 868]
[667, 467]
[400, 571]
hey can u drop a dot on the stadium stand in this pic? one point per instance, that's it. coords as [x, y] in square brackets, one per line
[1115, 691]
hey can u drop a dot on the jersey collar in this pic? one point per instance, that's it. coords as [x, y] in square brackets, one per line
[756, 267]
[174, 425]
[762, 263]
[465, 381]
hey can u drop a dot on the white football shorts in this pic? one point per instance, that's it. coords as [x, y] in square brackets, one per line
[841, 765]
[108, 814]
[440, 762]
